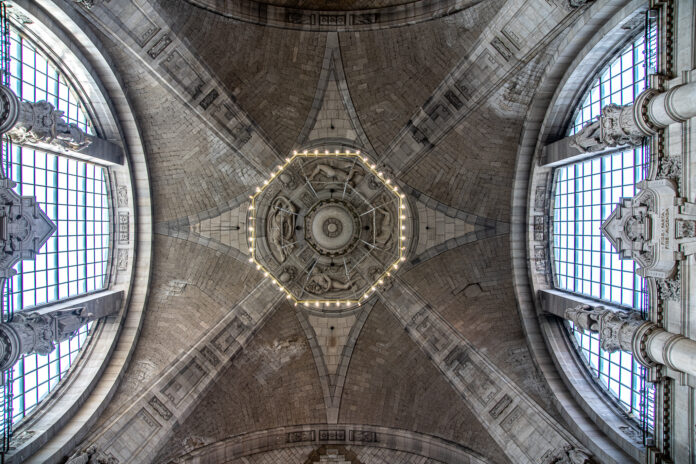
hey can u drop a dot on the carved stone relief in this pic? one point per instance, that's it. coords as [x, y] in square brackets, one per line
[616, 328]
[39, 332]
[653, 228]
[41, 122]
[569, 455]
[323, 224]
[615, 127]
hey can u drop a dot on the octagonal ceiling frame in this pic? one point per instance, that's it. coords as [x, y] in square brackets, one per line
[388, 184]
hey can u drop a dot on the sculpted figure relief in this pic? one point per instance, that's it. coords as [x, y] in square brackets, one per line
[349, 174]
[614, 127]
[569, 455]
[321, 283]
[385, 227]
[46, 124]
[281, 224]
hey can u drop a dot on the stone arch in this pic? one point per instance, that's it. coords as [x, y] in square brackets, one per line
[69, 411]
[599, 424]
[312, 436]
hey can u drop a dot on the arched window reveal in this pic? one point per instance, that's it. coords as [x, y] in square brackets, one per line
[583, 260]
[74, 195]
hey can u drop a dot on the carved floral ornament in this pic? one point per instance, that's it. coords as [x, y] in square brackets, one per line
[655, 228]
[327, 228]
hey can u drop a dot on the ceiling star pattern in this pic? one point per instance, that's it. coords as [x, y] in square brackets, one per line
[324, 229]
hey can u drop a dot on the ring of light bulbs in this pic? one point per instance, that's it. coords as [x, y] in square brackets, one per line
[327, 303]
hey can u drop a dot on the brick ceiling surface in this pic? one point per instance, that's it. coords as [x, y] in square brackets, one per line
[387, 79]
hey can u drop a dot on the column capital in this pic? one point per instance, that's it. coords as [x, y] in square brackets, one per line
[38, 331]
[41, 126]
[615, 127]
[9, 109]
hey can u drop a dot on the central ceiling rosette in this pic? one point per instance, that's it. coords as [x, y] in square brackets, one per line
[328, 228]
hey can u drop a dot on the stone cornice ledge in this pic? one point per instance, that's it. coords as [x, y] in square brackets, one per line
[429, 446]
[254, 12]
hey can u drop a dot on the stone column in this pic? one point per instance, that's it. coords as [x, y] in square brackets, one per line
[626, 125]
[626, 331]
[40, 125]
[39, 331]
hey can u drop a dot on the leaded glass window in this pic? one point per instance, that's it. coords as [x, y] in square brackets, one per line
[619, 83]
[584, 262]
[74, 194]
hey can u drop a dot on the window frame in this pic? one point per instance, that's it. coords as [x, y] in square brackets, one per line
[628, 43]
[74, 100]
[78, 401]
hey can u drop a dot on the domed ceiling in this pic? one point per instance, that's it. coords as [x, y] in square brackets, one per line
[337, 5]
[436, 355]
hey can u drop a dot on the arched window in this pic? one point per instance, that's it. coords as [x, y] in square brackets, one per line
[74, 195]
[584, 262]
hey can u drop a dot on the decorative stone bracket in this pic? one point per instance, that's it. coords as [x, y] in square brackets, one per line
[41, 125]
[615, 127]
[656, 228]
[626, 331]
[616, 328]
[627, 125]
[39, 331]
[620, 126]
[24, 121]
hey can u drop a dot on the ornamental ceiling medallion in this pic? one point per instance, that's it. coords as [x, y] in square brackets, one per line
[328, 228]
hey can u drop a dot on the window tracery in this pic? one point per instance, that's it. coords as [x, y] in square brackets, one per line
[584, 261]
[74, 195]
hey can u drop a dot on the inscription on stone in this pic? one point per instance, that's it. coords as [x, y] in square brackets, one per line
[209, 99]
[159, 46]
[501, 48]
[209, 356]
[500, 406]
[363, 436]
[160, 408]
[664, 229]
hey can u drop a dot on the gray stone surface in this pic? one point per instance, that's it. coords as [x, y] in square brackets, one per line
[439, 104]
